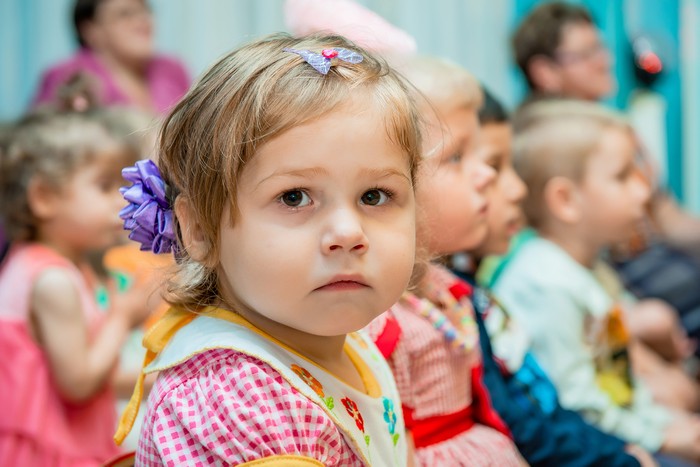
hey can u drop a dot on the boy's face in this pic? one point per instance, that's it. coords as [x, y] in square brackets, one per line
[505, 216]
[452, 185]
[612, 195]
[582, 64]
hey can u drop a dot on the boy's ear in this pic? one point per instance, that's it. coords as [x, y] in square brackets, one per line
[43, 199]
[193, 238]
[561, 198]
[545, 74]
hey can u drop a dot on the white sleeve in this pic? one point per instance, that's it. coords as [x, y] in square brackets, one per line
[556, 324]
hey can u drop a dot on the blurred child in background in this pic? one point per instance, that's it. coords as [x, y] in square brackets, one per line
[545, 433]
[584, 194]
[430, 338]
[59, 181]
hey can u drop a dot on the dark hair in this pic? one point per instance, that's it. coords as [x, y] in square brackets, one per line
[83, 11]
[540, 33]
[491, 111]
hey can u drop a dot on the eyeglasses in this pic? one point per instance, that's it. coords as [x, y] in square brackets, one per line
[126, 13]
[594, 51]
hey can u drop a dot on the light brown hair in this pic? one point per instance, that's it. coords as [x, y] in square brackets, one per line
[51, 146]
[251, 95]
[555, 138]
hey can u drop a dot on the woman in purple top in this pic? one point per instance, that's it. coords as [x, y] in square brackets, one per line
[117, 54]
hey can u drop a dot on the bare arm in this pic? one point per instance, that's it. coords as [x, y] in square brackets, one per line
[80, 366]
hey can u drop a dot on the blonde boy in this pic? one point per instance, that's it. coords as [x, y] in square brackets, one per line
[430, 338]
[577, 160]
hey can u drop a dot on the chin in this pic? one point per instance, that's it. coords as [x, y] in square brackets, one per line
[340, 326]
[497, 249]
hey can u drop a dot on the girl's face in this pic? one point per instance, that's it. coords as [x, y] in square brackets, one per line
[84, 213]
[505, 217]
[452, 185]
[324, 240]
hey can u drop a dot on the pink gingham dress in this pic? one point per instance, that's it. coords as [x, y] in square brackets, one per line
[227, 394]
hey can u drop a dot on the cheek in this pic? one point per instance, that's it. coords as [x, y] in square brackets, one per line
[496, 217]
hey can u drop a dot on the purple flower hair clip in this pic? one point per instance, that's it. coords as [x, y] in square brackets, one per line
[149, 215]
[322, 62]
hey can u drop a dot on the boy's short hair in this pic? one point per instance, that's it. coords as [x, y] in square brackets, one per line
[540, 33]
[442, 82]
[492, 111]
[554, 138]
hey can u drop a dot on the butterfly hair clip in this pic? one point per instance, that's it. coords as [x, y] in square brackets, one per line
[322, 62]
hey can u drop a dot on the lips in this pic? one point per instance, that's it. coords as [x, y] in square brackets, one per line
[344, 282]
[484, 209]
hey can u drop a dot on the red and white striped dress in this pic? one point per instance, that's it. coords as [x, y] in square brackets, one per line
[446, 406]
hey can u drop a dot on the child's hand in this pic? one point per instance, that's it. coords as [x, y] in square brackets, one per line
[135, 304]
[642, 455]
[683, 438]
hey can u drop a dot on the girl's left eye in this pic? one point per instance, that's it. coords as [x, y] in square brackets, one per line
[455, 158]
[375, 197]
[295, 198]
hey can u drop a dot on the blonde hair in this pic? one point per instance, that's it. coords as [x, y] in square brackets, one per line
[51, 146]
[442, 83]
[248, 97]
[555, 138]
[440, 86]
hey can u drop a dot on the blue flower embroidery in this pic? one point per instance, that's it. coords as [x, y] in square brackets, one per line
[389, 415]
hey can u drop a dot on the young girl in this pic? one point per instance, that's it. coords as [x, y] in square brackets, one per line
[430, 338]
[289, 168]
[60, 174]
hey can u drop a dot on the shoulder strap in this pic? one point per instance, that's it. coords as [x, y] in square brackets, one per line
[387, 341]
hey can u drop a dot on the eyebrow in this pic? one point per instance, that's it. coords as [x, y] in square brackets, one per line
[311, 172]
[384, 173]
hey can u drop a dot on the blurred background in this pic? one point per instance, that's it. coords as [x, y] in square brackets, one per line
[665, 108]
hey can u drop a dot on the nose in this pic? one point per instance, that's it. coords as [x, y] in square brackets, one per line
[344, 232]
[483, 175]
[642, 188]
[516, 188]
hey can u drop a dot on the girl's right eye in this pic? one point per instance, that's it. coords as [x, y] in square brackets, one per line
[455, 158]
[295, 199]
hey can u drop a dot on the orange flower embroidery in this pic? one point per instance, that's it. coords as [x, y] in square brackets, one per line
[308, 378]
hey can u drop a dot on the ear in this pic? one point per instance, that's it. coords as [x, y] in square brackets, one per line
[545, 74]
[561, 196]
[90, 33]
[193, 238]
[43, 199]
